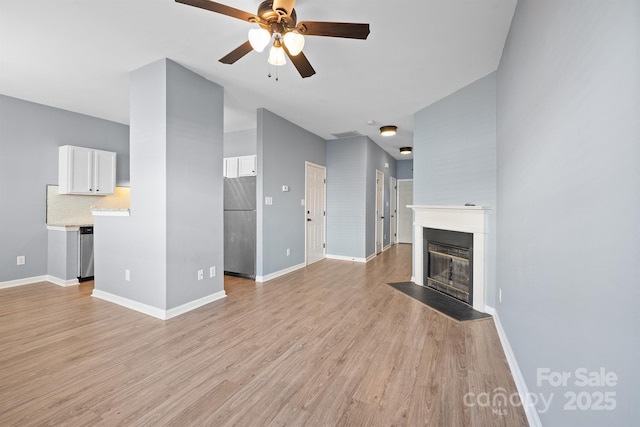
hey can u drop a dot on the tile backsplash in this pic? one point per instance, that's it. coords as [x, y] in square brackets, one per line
[69, 209]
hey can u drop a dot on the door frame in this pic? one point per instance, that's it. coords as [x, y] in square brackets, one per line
[379, 214]
[324, 209]
[393, 211]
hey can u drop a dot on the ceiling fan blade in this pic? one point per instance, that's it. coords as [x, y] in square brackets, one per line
[221, 8]
[346, 30]
[284, 6]
[301, 63]
[236, 53]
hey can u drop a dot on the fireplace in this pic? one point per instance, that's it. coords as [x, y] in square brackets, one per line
[448, 263]
[449, 253]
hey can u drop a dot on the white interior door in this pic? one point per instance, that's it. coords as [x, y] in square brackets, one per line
[379, 211]
[315, 200]
[405, 215]
[393, 211]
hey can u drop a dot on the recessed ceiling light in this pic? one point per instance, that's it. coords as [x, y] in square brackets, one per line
[388, 130]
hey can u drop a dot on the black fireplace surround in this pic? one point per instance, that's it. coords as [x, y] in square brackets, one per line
[448, 263]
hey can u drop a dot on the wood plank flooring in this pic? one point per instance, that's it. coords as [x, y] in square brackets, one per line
[327, 345]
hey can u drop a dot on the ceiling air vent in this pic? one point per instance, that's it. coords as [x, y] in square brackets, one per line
[349, 134]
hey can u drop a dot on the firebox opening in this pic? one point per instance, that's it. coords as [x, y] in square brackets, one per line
[448, 263]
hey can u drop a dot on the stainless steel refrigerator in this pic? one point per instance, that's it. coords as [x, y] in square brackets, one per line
[240, 226]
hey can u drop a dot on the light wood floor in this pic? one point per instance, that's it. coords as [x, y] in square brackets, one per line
[327, 345]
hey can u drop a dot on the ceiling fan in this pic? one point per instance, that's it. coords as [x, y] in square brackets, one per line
[278, 26]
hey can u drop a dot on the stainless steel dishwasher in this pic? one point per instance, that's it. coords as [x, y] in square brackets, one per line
[85, 253]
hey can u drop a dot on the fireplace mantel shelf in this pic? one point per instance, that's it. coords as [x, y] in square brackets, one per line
[467, 219]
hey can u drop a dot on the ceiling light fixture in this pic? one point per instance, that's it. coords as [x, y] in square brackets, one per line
[259, 38]
[276, 54]
[388, 130]
[406, 150]
[294, 41]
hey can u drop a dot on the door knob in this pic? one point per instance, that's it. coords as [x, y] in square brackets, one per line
[308, 219]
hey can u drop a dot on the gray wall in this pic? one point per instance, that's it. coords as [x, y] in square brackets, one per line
[569, 198]
[30, 135]
[283, 149]
[195, 230]
[175, 227]
[346, 197]
[351, 195]
[455, 157]
[240, 143]
[405, 169]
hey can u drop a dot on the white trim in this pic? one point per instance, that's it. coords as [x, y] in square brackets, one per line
[158, 313]
[370, 257]
[131, 304]
[192, 305]
[266, 278]
[38, 279]
[25, 281]
[529, 410]
[62, 282]
[346, 258]
[386, 247]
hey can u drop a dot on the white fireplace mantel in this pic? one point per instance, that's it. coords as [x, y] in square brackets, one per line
[467, 219]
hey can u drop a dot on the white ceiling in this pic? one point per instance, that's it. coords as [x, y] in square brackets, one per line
[77, 55]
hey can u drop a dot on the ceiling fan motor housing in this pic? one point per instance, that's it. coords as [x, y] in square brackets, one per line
[276, 21]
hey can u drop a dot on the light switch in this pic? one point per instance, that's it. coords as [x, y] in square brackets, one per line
[268, 200]
[285, 188]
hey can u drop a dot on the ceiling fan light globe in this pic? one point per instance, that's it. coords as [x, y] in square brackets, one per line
[277, 56]
[259, 38]
[294, 41]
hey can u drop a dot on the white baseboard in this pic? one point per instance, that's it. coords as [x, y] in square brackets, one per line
[192, 305]
[62, 282]
[154, 311]
[36, 279]
[346, 258]
[530, 411]
[271, 276]
[352, 259]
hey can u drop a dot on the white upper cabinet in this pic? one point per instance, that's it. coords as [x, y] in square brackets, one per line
[235, 167]
[247, 165]
[86, 171]
[231, 167]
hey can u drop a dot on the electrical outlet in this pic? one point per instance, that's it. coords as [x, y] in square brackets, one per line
[212, 271]
[127, 275]
[21, 260]
[500, 295]
[200, 274]
[288, 252]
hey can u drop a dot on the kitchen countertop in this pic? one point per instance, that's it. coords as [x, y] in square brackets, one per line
[67, 227]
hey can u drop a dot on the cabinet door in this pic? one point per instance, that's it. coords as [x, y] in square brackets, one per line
[104, 172]
[80, 169]
[231, 167]
[247, 165]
